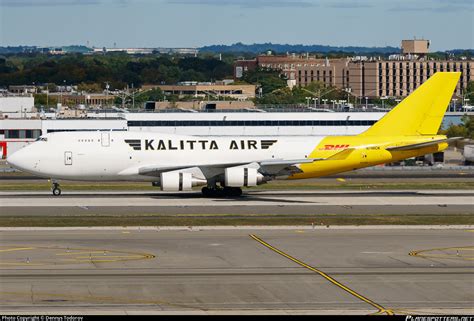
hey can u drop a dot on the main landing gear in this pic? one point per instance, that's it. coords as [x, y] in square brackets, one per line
[56, 189]
[221, 192]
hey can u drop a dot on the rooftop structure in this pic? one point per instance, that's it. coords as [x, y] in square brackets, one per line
[418, 47]
[16, 104]
[239, 92]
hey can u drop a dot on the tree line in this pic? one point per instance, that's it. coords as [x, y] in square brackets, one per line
[118, 69]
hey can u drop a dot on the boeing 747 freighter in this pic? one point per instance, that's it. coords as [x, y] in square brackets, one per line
[223, 165]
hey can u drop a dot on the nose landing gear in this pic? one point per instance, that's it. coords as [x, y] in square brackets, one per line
[56, 189]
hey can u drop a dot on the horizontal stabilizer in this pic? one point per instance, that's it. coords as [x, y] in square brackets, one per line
[341, 155]
[422, 145]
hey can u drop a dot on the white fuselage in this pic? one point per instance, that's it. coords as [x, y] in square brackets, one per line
[119, 156]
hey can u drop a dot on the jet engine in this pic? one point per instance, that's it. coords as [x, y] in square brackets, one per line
[179, 181]
[242, 176]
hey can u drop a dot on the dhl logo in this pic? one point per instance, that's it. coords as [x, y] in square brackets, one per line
[334, 147]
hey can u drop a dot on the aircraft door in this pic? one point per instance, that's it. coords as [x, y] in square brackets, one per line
[67, 158]
[105, 139]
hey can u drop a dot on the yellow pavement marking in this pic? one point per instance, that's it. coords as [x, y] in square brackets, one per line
[76, 253]
[450, 256]
[19, 263]
[96, 260]
[380, 308]
[110, 256]
[18, 249]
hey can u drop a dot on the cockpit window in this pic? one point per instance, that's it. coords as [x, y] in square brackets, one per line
[41, 139]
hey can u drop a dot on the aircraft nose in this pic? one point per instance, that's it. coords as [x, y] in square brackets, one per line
[12, 159]
[18, 160]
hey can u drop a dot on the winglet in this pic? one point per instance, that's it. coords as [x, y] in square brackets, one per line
[422, 112]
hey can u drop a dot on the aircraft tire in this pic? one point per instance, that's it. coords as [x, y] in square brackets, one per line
[56, 191]
[232, 191]
[208, 192]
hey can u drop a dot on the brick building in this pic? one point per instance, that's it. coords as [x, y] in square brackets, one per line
[372, 77]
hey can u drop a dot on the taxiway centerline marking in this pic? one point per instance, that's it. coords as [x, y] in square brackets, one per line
[380, 308]
[18, 249]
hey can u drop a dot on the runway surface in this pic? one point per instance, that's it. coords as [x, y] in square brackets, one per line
[253, 202]
[401, 271]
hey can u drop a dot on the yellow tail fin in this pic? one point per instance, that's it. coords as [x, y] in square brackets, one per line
[422, 112]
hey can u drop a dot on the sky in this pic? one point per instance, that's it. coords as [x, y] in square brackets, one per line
[449, 24]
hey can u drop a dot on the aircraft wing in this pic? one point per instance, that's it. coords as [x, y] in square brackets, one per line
[157, 170]
[280, 167]
[421, 145]
[269, 167]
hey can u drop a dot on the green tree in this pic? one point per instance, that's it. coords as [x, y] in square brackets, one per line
[155, 94]
[44, 100]
[90, 88]
[118, 69]
[270, 80]
[469, 92]
[464, 129]
[468, 123]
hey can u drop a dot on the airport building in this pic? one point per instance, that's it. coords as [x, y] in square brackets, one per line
[203, 90]
[22, 89]
[16, 104]
[372, 77]
[398, 78]
[90, 99]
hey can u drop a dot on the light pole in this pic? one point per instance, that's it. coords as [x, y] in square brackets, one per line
[348, 91]
[47, 96]
[324, 101]
[319, 94]
[315, 100]
[307, 101]
[465, 105]
[107, 86]
[366, 102]
[464, 99]
[133, 97]
[383, 101]
[61, 92]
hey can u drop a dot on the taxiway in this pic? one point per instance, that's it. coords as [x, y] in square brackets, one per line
[358, 270]
[253, 202]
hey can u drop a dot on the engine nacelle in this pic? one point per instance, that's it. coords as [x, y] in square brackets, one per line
[242, 176]
[179, 181]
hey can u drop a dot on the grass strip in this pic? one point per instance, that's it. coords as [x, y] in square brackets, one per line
[235, 220]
